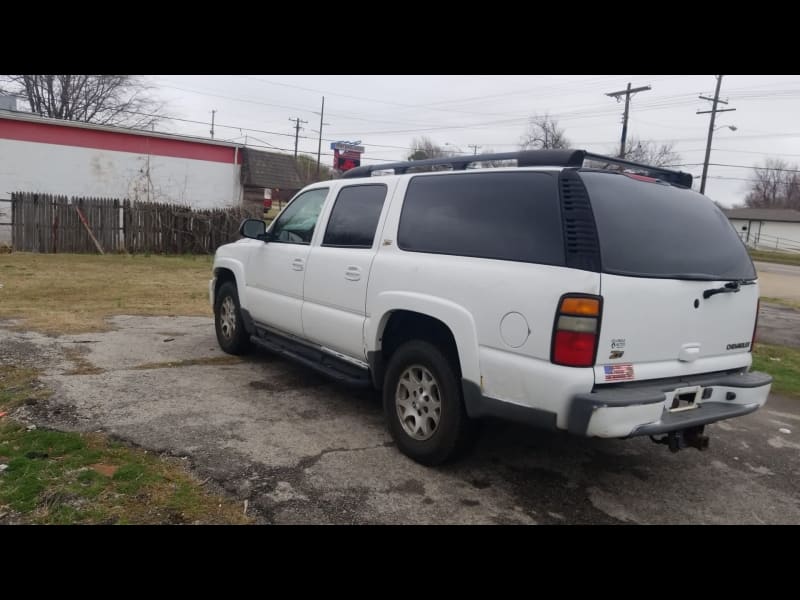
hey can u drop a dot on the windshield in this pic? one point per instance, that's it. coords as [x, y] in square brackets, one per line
[651, 229]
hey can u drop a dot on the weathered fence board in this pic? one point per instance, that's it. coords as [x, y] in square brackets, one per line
[49, 223]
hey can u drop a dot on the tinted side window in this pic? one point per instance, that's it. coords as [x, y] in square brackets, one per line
[296, 224]
[507, 216]
[355, 215]
[654, 230]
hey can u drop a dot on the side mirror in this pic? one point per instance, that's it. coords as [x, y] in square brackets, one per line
[254, 229]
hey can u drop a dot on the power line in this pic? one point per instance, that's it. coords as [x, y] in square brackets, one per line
[756, 167]
[283, 106]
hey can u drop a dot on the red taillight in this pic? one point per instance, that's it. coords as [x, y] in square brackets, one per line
[574, 349]
[755, 326]
[576, 329]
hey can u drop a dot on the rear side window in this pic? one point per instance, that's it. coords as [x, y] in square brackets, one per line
[355, 215]
[506, 216]
[654, 230]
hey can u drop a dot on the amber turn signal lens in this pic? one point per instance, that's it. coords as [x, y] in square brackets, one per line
[589, 307]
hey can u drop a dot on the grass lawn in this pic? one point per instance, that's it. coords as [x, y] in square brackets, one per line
[784, 258]
[61, 477]
[57, 477]
[73, 293]
[782, 363]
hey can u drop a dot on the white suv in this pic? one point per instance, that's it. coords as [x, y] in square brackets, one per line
[606, 303]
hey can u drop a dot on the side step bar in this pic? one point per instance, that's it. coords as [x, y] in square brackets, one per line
[337, 369]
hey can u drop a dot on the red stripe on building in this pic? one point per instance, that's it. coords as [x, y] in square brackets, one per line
[48, 133]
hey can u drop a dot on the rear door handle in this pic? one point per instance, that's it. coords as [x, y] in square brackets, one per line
[352, 273]
[298, 264]
[689, 352]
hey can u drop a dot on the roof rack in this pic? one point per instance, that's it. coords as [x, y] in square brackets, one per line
[527, 158]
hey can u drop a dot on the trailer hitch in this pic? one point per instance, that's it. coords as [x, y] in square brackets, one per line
[692, 437]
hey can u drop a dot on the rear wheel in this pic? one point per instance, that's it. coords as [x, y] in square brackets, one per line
[231, 334]
[423, 404]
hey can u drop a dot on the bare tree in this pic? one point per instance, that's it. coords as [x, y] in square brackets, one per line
[423, 147]
[775, 185]
[650, 153]
[103, 99]
[495, 163]
[543, 133]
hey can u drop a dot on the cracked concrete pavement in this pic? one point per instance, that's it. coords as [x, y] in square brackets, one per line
[302, 449]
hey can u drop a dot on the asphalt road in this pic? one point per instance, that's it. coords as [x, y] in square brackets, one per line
[779, 281]
[779, 324]
[303, 450]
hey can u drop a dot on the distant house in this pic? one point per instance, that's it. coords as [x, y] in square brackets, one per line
[268, 175]
[767, 228]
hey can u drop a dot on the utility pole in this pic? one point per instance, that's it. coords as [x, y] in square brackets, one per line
[627, 93]
[319, 146]
[213, 112]
[474, 148]
[297, 128]
[714, 110]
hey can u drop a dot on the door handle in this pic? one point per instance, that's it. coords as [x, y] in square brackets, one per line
[298, 264]
[689, 352]
[352, 273]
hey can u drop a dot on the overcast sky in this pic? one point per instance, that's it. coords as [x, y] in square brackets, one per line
[385, 112]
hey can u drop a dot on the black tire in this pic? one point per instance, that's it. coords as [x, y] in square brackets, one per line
[231, 333]
[454, 432]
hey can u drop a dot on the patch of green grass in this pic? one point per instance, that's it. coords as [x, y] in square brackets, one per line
[60, 477]
[784, 258]
[782, 363]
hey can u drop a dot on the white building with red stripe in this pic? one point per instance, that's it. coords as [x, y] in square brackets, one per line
[82, 159]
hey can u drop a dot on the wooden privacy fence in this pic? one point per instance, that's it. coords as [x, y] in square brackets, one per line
[48, 223]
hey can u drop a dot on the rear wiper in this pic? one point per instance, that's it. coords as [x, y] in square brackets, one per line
[729, 288]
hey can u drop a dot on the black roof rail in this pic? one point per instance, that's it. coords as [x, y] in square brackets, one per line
[526, 158]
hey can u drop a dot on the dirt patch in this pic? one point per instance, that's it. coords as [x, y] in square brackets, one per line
[213, 360]
[82, 366]
[107, 470]
[290, 381]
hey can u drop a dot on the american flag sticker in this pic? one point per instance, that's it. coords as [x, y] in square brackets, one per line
[618, 372]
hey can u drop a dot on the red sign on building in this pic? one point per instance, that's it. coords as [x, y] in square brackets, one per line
[346, 156]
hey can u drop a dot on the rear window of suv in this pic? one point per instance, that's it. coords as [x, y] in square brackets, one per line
[505, 215]
[650, 229]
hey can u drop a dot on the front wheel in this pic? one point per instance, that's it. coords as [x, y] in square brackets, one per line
[231, 334]
[423, 404]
